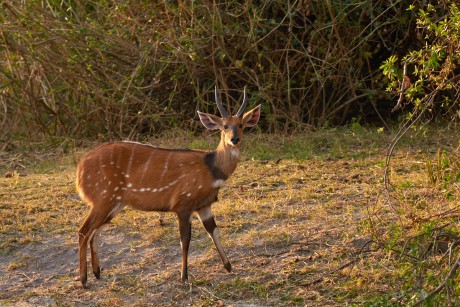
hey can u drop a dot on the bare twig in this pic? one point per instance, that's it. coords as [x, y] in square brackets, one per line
[402, 131]
[443, 284]
[347, 264]
[319, 279]
[402, 88]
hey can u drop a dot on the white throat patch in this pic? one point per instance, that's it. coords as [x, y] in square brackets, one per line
[235, 153]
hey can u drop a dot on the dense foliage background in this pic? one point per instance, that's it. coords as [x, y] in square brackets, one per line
[131, 68]
[116, 69]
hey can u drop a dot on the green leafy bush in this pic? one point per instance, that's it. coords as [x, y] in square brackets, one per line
[430, 73]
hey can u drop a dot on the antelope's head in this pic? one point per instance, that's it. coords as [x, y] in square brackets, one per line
[231, 125]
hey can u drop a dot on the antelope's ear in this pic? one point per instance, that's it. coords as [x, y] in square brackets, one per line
[211, 122]
[251, 118]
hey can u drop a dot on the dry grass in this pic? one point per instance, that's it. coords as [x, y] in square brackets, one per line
[297, 220]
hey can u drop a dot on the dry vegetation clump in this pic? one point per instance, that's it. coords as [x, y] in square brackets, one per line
[73, 68]
[313, 229]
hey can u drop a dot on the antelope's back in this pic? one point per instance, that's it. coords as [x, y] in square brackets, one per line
[145, 177]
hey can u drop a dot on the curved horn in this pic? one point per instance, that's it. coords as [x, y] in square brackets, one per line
[243, 106]
[221, 108]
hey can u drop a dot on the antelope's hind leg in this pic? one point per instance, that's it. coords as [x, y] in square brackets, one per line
[94, 242]
[90, 231]
[85, 234]
[185, 230]
[207, 218]
[94, 245]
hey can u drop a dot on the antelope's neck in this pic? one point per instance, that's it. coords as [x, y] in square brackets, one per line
[227, 157]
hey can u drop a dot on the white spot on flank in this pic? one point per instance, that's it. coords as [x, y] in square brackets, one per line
[111, 157]
[154, 190]
[165, 166]
[129, 185]
[200, 186]
[134, 190]
[189, 194]
[175, 181]
[88, 177]
[105, 191]
[218, 183]
[146, 166]
[131, 158]
[116, 189]
[118, 197]
[142, 189]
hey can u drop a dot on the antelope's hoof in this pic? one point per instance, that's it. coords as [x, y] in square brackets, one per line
[228, 267]
[97, 273]
[83, 283]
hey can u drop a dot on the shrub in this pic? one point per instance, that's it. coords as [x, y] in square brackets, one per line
[130, 68]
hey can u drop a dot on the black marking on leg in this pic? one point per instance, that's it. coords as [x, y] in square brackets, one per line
[209, 224]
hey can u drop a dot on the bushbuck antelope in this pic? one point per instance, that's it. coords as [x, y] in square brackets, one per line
[119, 174]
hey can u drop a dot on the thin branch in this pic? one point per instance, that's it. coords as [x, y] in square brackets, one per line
[347, 264]
[404, 129]
[443, 284]
[402, 88]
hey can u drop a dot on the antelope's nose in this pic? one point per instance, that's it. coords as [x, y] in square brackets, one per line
[235, 140]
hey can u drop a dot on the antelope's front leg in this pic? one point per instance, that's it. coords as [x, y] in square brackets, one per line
[185, 230]
[206, 217]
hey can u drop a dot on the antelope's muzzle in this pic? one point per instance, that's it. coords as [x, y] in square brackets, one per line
[235, 138]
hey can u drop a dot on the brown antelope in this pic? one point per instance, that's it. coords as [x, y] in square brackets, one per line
[119, 174]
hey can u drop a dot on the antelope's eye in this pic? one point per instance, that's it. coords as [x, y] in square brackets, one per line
[225, 127]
